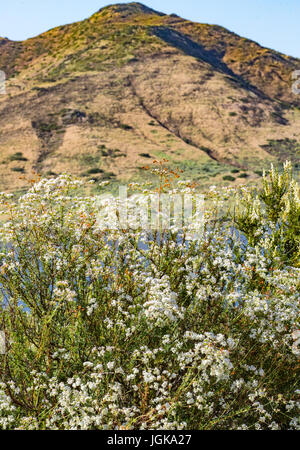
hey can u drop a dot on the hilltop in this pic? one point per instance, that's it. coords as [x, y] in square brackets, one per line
[101, 97]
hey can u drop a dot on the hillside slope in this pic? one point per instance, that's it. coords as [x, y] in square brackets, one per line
[100, 97]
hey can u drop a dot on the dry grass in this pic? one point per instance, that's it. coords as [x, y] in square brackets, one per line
[139, 90]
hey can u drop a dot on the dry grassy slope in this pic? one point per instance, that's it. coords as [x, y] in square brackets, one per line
[100, 97]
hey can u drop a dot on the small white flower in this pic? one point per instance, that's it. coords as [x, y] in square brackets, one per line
[110, 365]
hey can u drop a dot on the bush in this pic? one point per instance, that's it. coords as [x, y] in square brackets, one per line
[17, 157]
[124, 126]
[121, 328]
[95, 170]
[18, 169]
[259, 173]
[273, 214]
[46, 127]
[228, 178]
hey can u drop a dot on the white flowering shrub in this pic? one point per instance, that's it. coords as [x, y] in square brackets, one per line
[273, 213]
[117, 329]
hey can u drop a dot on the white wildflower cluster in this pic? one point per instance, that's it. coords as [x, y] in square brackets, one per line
[62, 292]
[161, 302]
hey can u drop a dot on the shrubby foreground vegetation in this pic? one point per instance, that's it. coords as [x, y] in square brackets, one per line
[190, 333]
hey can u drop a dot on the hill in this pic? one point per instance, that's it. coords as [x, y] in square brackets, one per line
[100, 97]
